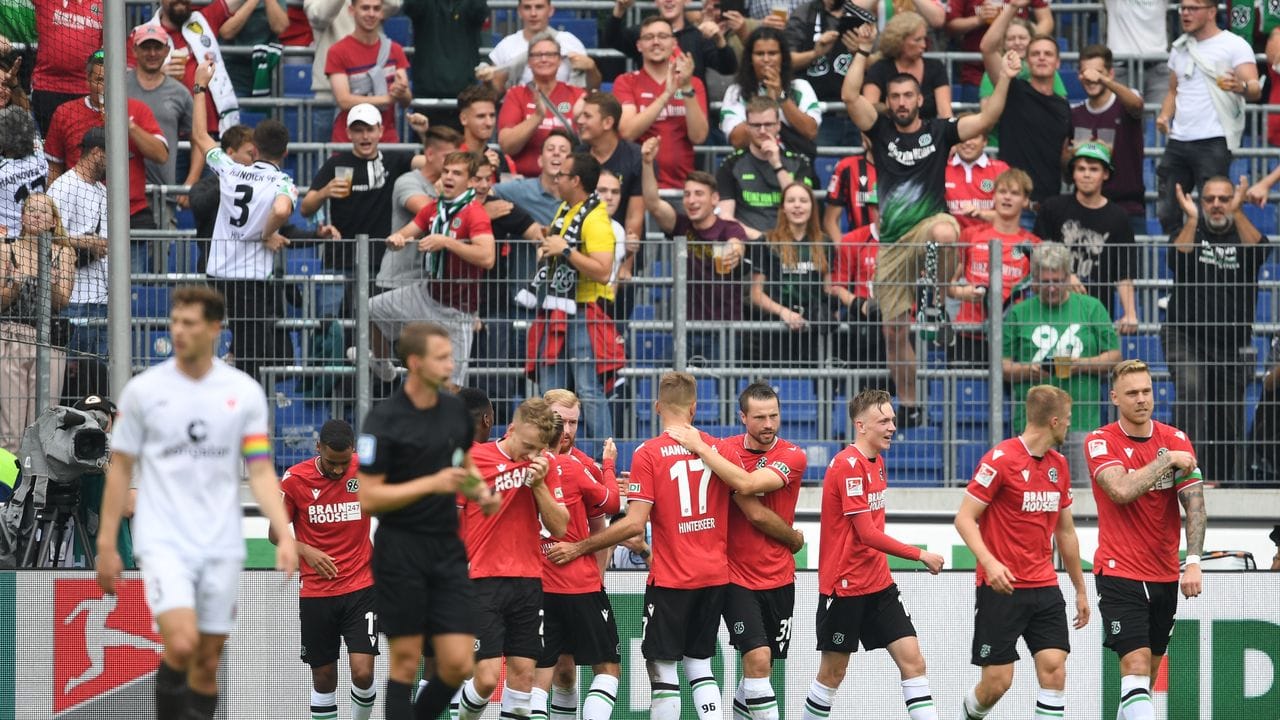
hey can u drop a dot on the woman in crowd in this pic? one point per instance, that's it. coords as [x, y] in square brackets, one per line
[902, 47]
[20, 314]
[766, 70]
[530, 112]
[790, 281]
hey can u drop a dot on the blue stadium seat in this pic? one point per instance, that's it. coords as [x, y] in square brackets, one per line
[642, 397]
[799, 433]
[1146, 348]
[642, 313]
[297, 426]
[968, 455]
[840, 419]
[708, 407]
[606, 87]
[292, 119]
[818, 456]
[156, 347]
[1165, 396]
[249, 118]
[585, 29]
[297, 80]
[1071, 81]
[718, 431]
[302, 261]
[1266, 308]
[972, 401]
[916, 458]
[825, 167]
[149, 301]
[1262, 351]
[797, 396]
[184, 257]
[652, 348]
[186, 219]
[400, 29]
[626, 449]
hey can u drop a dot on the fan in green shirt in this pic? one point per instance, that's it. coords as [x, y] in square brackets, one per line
[1060, 336]
[18, 21]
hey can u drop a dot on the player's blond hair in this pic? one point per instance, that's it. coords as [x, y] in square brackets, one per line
[678, 390]
[1044, 403]
[1128, 367]
[538, 412]
[562, 397]
[867, 399]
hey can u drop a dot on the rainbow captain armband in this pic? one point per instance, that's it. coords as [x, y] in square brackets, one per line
[255, 447]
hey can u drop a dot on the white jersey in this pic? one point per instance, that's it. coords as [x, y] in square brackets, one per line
[188, 438]
[247, 194]
[19, 177]
[83, 205]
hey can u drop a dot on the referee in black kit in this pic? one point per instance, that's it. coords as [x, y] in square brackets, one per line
[413, 460]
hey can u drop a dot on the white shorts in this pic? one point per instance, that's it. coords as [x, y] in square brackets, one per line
[210, 586]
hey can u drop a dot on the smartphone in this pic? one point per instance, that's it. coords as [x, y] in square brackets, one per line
[738, 6]
[854, 17]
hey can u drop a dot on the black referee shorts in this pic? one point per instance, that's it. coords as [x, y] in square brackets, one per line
[421, 586]
[1037, 615]
[875, 620]
[580, 625]
[760, 618]
[327, 621]
[1136, 614]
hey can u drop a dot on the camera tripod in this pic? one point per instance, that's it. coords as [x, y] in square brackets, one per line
[55, 523]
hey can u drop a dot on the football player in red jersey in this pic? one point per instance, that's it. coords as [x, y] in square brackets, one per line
[505, 553]
[689, 510]
[336, 603]
[1142, 469]
[1016, 505]
[858, 599]
[762, 567]
[579, 625]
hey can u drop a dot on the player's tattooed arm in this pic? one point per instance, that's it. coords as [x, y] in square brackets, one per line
[1123, 487]
[769, 522]
[1192, 500]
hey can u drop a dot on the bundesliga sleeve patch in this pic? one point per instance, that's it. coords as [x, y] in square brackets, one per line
[985, 475]
[1097, 448]
[853, 486]
[367, 449]
[633, 487]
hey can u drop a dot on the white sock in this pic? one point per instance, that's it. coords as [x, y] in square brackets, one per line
[324, 706]
[600, 698]
[1135, 698]
[706, 691]
[971, 709]
[362, 700]
[817, 704]
[470, 704]
[564, 703]
[760, 700]
[515, 703]
[538, 704]
[665, 684]
[1050, 704]
[740, 711]
[915, 692]
[422, 685]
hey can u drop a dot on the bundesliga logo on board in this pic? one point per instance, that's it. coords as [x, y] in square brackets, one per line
[103, 645]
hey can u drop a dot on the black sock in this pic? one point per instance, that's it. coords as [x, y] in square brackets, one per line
[434, 700]
[201, 706]
[398, 701]
[171, 693]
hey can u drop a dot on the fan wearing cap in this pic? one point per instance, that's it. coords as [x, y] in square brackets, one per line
[169, 99]
[366, 67]
[103, 411]
[1097, 232]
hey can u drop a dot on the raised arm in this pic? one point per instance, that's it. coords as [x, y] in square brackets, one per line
[1123, 487]
[861, 111]
[201, 143]
[660, 209]
[973, 125]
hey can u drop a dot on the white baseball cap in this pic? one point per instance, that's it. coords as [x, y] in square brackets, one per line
[364, 113]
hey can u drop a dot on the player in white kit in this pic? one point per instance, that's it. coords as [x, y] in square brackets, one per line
[189, 426]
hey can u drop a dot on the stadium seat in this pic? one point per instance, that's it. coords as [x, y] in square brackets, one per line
[626, 449]
[973, 401]
[915, 460]
[297, 426]
[292, 119]
[399, 29]
[149, 301]
[1262, 351]
[968, 455]
[1146, 348]
[840, 419]
[1071, 81]
[186, 219]
[1266, 308]
[709, 402]
[302, 261]
[652, 348]
[825, 167]
[156, 347]
[297, 80]
[818, 456]
[1165, 395]
[644, 313]
[585, 29]
[250, 118]
[797, 396]
[642, 397]
[183, 257]
[799, 433]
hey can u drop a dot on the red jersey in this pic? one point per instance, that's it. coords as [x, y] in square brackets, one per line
[585, 499]
[518, 105]
[758, 562]
[853, 485]
[855, 261]
[853, 187]
[457, 282]
[509, 542]
[74, 118]
[326, 515]
[969, 185]
[975, 258]
[354, 59]
[690, 515]
[74, 32]
[1023, 495]
[299, 33]
[1138, 541]
[640, 90]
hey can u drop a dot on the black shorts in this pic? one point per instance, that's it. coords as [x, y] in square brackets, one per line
[760, 618]
[326, 621]
[421, 585]
[579, 625]
[681, 623]
[508, 615]
[1037, 615]
[875, 620]
[1136, 614]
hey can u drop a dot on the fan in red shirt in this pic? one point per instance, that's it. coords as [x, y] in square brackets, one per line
[858, 599]
[579, 625]
[336, 603]
[146, 141]
[851, 193]
[73, 31]
[972, 279]
[762, 568]
[529, 112]
[971, 182]
[688, 506]
[351, 67]
[1142, 470]
[1016, 505]
[505, 552]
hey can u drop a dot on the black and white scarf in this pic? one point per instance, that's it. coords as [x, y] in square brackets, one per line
[558, 293]
[446, 211]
